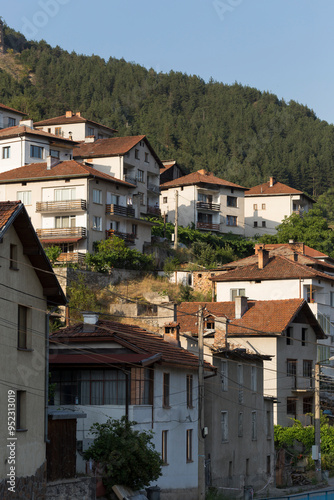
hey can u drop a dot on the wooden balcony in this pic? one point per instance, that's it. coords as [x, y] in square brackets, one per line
[120, 210]
[127, 237]
[210, 207]
[154, 211]
[61, 206]
[64, 232]
[72, 257]
[207, 226]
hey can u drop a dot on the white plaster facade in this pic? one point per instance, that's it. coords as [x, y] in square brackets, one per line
[9, 117]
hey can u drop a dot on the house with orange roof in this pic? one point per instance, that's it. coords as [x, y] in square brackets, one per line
[9, 117]
[29, 290]
[108, 369]
[267, 204]
[285, 330]
[74, 126]
[208, 202]
[72, 205]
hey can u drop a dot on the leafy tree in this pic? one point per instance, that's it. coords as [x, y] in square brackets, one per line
[326, 203]
[81, 298]
[52, 253]
[127, 455]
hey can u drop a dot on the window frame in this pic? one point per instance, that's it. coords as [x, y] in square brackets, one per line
[166, 390]
[164, 447]
[22, 328]
[189, 445]
[291, 367]
[190, 385]
[97, 196]
[232, 220]
[254, 425]
[97, 223]
[5, 152]
[232, 201]
[36, 152]
[22, 195]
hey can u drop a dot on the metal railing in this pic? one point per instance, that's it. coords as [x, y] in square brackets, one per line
[212, 207]
[207, 226]
[113, 209]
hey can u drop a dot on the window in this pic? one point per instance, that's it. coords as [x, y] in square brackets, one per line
[90, 131]
[140, 175]
[97, 223]
[247, 466]
[11, 122]
[36, 152]
[231, 220]
[66, 194]
[64, 222]
[268, 464]
[240, 384]
[307, 405]
[137, 154]
[189, 449]
[21, 411]
[224, 425]
[307, 368]
[264, 223]
[146, 158]
[253, 378]
[291, 406]
[54, 153]
[165, 394]
[6, 152]
[189, 391]
[164, 443]
[304, 330]
[255, 206]
[235, 292]
[22, 327]
[13, 257]
[291, 367]
[164, 200]
[141, 198]
[58, 131]
[263, 206]
[268, 424]
[232, 201]
[255, 224]
[240, 424]
[289, 338]
[224, 376]
[254, 426]
[24, 196]
[134, 229]
[97, 196]
[209, 324]
[114, 200]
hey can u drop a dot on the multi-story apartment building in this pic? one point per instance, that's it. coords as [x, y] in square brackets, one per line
[210, 203]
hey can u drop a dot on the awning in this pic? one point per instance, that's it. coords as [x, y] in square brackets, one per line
[59, 240]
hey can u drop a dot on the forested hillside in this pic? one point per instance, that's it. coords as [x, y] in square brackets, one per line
[237, 132]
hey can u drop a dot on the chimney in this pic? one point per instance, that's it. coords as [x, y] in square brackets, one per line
[27, 123]
[221, 332]
[78, 114]
[68, 114]
[272, 181]
[241, 306]
[263, 258]
[172, 333]
[90, 319]
[294, 256]
[202, 171]
[51, 162]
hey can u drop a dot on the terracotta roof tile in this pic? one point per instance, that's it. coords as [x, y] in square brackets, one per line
[199, 178]
[7, 108]
[63, 169]
[113, 146]
[131, 336]
[63, 119]
[263, 317]
[277, 189]
[7, 209]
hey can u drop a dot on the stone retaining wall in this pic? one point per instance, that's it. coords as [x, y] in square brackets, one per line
[26, 487]
[82, 488]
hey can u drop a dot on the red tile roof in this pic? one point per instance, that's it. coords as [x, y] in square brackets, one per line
[63, 169]
[263, 317]
[197, 178]
[18, 130]
[7, 210]
[131, 337]
[7, 108]
[277, 268]
[277, 189]
[63, 119]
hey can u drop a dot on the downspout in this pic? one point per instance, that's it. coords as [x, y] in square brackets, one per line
[47, 318]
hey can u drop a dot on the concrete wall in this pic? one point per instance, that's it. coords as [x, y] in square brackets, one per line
[83, 488]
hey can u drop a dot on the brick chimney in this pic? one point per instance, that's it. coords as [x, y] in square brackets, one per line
[221, 332]
[241, 306]
[272, 181]
[172, 333]
[69, 114]
[263, 258]
[202, 171]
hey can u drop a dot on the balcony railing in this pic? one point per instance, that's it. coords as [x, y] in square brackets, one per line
[120, 210]
[212, 207]
[71, 257]
[61, 206]
[62, 232]
[154, 211]
[129, 178]
[127, 237]
[153, 187]
[207, 226]
[302, 384]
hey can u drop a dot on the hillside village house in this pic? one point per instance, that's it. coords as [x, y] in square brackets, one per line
[72, 205]
[169, 171]
[9, 117]
[267, 204]
[108, 369]
[284, 272]
[29, 287]
[210, 203]
[284, 330]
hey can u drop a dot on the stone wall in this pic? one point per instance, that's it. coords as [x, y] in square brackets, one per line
[26, 487]
[82, 488]
[201, 282]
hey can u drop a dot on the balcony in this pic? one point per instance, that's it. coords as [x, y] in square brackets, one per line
[61, 206]
[211, 207]
[127, 237]
[153, 187]
[154, 211]
[301, 384]
[62, 233]
[129, 178]
[207, 226]
[72, 257]
[120, 210]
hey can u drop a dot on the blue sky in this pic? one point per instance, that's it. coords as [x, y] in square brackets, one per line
[283, 46]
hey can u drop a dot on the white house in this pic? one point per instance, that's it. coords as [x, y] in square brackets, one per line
[210, 203]
[284, 330]
[28, 289]
[108, 369]
[73, 205]
[74, 126]
[267, 204]
[9, 117]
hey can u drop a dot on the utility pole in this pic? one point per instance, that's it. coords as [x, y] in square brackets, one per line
[317, 439]
[176, 217]
[201, 450]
